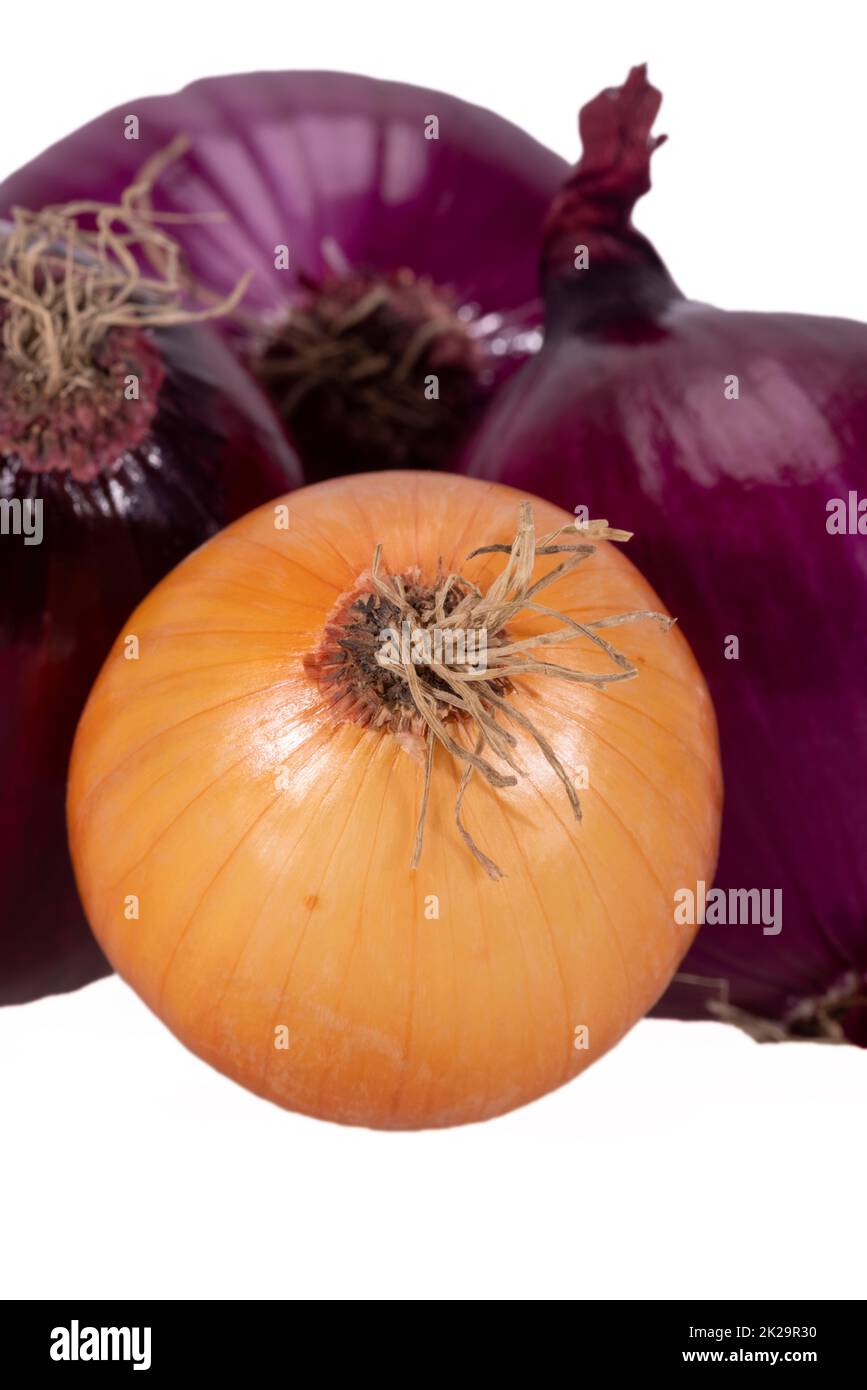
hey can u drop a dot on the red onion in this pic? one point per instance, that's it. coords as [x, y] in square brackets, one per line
[128, 435]
[734, 445]
[408, 256]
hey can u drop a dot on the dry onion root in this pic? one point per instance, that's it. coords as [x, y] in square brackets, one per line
[349, 368]
[65, 286]
[437, 694]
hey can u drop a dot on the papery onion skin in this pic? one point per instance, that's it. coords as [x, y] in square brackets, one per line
[298, 159]
[626, 411]
[213, 450]
[267, 848]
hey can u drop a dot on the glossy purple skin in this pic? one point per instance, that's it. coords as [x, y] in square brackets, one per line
[214, 451]
[293, 158]
[624, 411]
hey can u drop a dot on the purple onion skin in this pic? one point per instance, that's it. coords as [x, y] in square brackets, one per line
[624, 411]
[213, 451]
[295, 157]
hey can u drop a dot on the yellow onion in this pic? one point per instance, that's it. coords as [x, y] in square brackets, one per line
[387, 888]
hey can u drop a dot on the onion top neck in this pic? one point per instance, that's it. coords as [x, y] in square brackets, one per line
[81, 285]
[598, 272]
[423, 660]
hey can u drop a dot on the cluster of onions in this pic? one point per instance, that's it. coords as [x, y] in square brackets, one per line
[383, 882]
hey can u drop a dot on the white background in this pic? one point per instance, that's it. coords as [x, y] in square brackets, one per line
[689, 1162]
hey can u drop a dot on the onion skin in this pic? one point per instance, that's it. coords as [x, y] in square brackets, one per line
[268, 846]
[625, 411]
[213, 451]
[295, 157]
